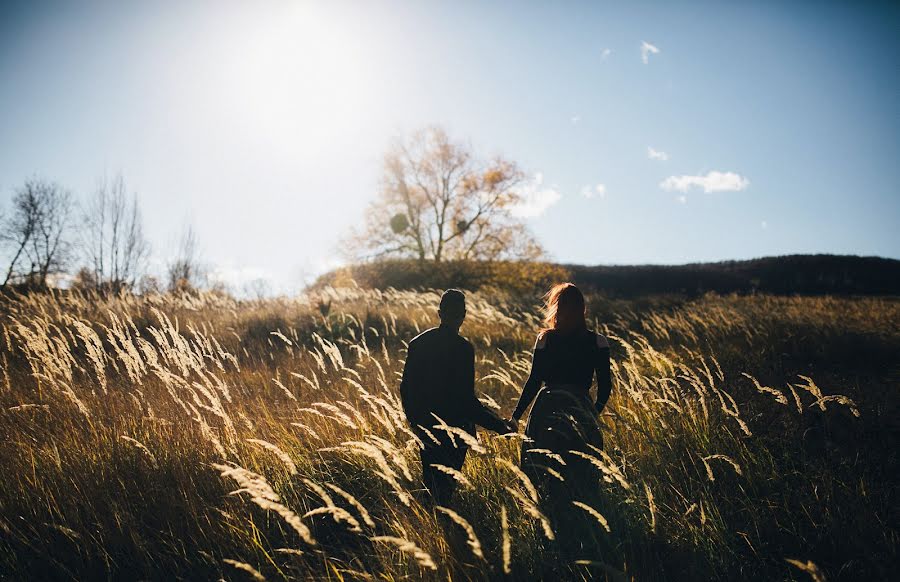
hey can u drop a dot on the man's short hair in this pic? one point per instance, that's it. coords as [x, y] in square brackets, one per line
[453, 304]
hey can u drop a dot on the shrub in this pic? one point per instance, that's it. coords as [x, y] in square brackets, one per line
[514, 277]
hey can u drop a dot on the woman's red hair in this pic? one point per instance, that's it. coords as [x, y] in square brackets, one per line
[564, 304]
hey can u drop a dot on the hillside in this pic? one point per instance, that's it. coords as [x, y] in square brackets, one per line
[784, 275]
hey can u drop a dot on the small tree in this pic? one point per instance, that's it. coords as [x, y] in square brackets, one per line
[185, 271]
[148, 284]
[37, 231]
[257, 288]
[18, 229]
[438, 202]
[114, 237]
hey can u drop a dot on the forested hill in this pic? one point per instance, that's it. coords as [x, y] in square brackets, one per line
[785, 275]
[792, 274]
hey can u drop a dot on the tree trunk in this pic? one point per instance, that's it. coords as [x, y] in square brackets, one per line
[12, 265]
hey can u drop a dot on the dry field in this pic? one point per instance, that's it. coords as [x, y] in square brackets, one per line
[199, 437]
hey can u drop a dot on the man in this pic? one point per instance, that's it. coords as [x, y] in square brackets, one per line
[439, 381]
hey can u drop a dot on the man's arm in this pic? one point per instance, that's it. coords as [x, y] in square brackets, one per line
[479, 413]
[407, 388]
[604, 378]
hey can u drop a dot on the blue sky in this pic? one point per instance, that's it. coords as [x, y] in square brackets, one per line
[263, 123]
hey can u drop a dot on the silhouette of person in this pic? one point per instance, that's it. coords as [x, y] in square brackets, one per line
[567, 356]
[439, 381]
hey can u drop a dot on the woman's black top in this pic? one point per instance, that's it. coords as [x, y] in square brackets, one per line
[568, 361]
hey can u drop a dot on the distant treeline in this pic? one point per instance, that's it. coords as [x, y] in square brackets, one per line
[786, 275]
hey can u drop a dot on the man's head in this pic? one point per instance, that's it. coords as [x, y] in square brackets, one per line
[453, 307]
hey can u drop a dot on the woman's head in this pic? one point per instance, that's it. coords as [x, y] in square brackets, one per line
[564, 308]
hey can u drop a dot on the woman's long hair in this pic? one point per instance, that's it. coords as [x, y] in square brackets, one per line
[564, 309]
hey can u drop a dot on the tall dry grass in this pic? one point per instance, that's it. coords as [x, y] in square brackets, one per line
[201, 437]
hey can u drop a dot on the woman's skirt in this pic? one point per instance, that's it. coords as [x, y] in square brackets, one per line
[562, 420]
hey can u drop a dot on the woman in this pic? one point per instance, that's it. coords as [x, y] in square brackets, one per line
[566, 357]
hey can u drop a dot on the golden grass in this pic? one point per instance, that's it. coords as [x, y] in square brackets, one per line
[199, 436]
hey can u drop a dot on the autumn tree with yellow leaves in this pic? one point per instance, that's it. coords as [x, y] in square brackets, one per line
[438, 201]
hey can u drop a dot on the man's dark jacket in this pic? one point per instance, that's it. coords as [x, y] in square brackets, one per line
[439, 378]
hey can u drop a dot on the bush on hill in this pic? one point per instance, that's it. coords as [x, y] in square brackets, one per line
[514, 277]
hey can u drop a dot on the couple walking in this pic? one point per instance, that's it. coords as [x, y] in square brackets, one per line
[438, 386]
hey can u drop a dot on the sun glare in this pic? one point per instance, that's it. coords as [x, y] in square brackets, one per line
[291, 73]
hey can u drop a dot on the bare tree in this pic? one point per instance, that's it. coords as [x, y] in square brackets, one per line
[257, 288]
[18, 229]
[185, 271]
[114, 237]
[438, 202]
[37, 230]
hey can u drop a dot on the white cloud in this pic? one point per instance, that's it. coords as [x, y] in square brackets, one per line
[648, 49]
[682, 199]
[764, 225]
[590, 191]
[536, 198]
[604, 54]
[712, 182]
[575, 119]
[657, 155]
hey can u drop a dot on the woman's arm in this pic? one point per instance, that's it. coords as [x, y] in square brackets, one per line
[604, 377]
[535, 378]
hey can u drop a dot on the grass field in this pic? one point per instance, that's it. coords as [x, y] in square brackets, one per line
[199, 437]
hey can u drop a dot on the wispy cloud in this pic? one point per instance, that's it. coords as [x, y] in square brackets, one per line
[712, 182]
[648, 49]
[575, 119]
[590, 191]
[657, 155]
[536, 198]
[604, 54]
